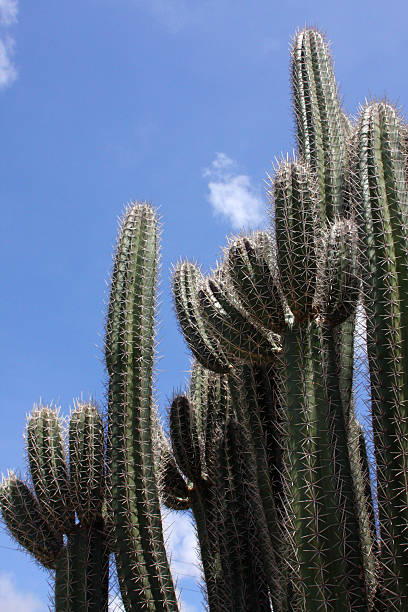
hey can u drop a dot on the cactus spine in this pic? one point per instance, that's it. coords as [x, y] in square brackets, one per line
[141, 558]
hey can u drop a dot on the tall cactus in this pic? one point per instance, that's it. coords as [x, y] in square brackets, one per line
[294, 309]
[140, 554]
[380, 197]
[40, 518]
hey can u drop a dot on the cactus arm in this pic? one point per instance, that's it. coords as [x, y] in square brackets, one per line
[187, 279]
[97, 568]
[239, 337]
[48, 467]
[172, 487]
[87, 462]
[309, 478]
[185, 437]
[218, 407]
[82, 573]
[129, 349]
[245, 395]
[244, 474]
[254, 279]
[241, 557]
[24, 520]
[349, 492]
[297, 235]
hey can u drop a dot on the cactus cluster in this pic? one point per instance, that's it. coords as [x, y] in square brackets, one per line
[60, 516]
[264, 447]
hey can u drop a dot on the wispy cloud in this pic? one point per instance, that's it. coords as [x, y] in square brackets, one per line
[8, 16]
[8, 11]
[8, 72]
[181, 544]
[232, 195]
[11, 598]
[182, 549]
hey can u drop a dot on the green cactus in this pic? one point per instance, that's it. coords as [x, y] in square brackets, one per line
[380, 197]
[196, 421]
[140, 554]
[265, 448]
[290, 307]
[40, 518]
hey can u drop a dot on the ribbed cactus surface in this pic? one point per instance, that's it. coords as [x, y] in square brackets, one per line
[130, 336]
[380, 194]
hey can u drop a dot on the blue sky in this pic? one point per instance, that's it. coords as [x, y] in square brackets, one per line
[183, 103]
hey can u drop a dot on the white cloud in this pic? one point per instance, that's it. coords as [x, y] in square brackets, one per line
[8, 11]
[232, 195]
[8, 72]
[12, 599]
[181, 544]
[182, 550]
[8, 16]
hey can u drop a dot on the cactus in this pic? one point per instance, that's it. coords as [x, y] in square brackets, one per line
[264, 448]
[196, 421]
[39, 518]
[380, 198]
[287, 302]
[142, 564]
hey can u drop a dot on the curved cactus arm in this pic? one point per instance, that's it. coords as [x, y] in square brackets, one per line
[380, 194]
[239, 337]
[87, 462]
[321, 125]
[141, 554]
[48, 467]
[25, 521]
[187, 280]
[254, 277]
[173, 489]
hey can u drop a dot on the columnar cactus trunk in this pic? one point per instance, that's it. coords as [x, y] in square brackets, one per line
[141, 557]
[381, 207]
